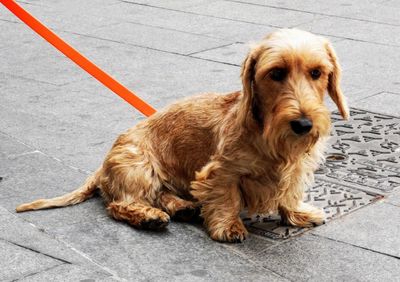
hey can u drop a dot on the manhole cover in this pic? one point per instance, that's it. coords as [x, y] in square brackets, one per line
[362, 164]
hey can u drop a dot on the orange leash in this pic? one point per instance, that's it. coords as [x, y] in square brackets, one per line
[78, 58]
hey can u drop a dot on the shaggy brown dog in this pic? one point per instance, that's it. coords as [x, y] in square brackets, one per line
[256, 149]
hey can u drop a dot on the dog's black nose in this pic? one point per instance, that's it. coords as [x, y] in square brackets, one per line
[301, 126]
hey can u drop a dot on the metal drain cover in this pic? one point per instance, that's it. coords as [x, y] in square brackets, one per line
[362, 164]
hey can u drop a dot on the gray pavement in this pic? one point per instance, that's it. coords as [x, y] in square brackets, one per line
[57, 123]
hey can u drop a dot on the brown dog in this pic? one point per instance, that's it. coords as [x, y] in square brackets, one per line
[255, 149]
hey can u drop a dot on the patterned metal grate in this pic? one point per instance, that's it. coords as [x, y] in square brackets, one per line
[362, 164]
[364, 152]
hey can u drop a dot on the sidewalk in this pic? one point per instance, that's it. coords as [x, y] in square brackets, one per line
[57, 123]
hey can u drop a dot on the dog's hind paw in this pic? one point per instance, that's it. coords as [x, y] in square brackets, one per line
[154, 224]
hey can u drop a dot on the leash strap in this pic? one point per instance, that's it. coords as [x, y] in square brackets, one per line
[78, 58]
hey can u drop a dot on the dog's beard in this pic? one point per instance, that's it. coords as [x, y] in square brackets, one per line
[286, 146]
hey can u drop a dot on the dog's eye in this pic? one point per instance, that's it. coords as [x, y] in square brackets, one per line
[278, 74]
[315, 74]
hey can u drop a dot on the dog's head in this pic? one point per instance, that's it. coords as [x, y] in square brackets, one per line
[285, 78]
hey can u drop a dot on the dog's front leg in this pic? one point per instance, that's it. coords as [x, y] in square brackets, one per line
[302, 215]
[221, 201]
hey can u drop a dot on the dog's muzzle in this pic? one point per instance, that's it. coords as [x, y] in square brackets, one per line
[301, 126]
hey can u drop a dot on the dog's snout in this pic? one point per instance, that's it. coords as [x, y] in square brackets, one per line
[301, 126]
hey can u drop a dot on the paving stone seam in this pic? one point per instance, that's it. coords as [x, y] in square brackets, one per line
[29, 79]
[214, 48]
[35, 251]
[392, 204]
[37, 272]
[9, 21]
[312, 13]
[197, 14]
[67, 245]
[35, 150]
[369, 96]
[250, 260]
[356, 246]
[14, 156]
[392, 92]
[215, 61]
[141, 46]
[149, 48]
[29, 3]
[171, 29]
[44, 82]
[237, 252]
[112, 273]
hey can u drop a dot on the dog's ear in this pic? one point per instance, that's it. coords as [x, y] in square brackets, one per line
[250, 104]
[334, 90]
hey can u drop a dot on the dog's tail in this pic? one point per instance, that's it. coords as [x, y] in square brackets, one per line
[81, 194]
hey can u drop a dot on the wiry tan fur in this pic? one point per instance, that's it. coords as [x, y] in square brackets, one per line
[226, 153]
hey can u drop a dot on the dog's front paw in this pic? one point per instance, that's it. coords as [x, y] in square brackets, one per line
[233, 232]
[304, 216]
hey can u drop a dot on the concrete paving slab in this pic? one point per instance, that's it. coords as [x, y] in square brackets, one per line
[11, 147]
[192, 23]
[73, 105]
[377, 33]
[23, 234]
[18, 262]
[233, 54]
[171, 4]
[34, 175]
[177, 254]
[375, 11]
[23, 35]
[35, 59]
[368, 68]
[68, 272]
[157, 38]
[373, 227]
[383, 102]
[82, 147]
[394, 198]
[33, 248]
[69, 16]
[314, 258]
[252, 246]
[253, 14]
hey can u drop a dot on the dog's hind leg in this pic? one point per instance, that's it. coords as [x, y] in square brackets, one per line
[177, 207]
[139, 215]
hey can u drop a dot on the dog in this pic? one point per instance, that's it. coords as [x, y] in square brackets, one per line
[255, 149]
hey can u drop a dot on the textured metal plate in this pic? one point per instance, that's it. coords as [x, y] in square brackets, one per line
[363, 163]
[335, 199]
[364, 152]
